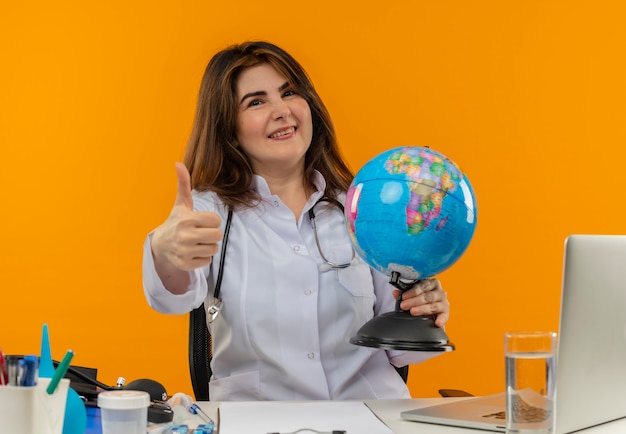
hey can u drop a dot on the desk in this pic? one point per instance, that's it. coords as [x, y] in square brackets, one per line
[388, 410]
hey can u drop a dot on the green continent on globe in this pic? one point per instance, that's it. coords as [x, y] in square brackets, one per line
[432, 177]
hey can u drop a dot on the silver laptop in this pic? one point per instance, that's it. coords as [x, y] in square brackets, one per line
[591, 363]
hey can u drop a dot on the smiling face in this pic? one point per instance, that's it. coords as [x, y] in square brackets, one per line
[274, 125]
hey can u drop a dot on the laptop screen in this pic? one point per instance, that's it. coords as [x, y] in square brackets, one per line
[591, 363]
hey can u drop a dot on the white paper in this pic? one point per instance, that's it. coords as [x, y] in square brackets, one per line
[289, 416]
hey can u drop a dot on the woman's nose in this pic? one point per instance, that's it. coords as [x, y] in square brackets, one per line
[281, 109]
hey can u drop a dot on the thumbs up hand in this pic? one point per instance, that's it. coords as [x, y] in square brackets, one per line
[187, 239]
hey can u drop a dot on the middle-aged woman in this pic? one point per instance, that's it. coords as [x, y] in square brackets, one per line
[293, 293]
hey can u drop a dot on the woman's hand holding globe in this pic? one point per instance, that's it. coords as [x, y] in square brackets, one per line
[426, 297]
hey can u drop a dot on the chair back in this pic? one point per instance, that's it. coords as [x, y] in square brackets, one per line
[201, 352]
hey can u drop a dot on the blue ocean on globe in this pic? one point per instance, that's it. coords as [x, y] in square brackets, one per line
[410, 210]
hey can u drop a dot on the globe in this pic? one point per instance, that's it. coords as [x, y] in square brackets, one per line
[410, 210]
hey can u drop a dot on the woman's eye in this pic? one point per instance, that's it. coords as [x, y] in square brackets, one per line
[290, 93]
[254, 102]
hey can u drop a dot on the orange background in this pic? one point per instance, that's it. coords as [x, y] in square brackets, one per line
[96, 103]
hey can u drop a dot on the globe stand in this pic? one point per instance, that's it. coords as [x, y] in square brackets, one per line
[399, 330]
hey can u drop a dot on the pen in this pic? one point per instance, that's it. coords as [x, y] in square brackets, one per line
[195, 409]
[30, 365]
[60, 372]
[4, 376]
[13, 370]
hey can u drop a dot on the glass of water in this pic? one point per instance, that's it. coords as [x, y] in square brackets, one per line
[530, 358]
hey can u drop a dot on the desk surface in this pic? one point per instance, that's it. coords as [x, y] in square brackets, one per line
[388, 410]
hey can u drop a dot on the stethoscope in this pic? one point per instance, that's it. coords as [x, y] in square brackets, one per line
[214, 309]
[329, 265]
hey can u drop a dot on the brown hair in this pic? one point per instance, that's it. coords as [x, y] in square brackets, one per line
[215, 162]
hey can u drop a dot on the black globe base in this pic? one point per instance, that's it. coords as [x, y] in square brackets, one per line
[400, 330]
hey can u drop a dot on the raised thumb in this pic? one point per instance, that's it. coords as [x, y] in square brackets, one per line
[183, 196]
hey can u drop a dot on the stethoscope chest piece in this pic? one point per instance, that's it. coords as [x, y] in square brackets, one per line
[214, 310]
